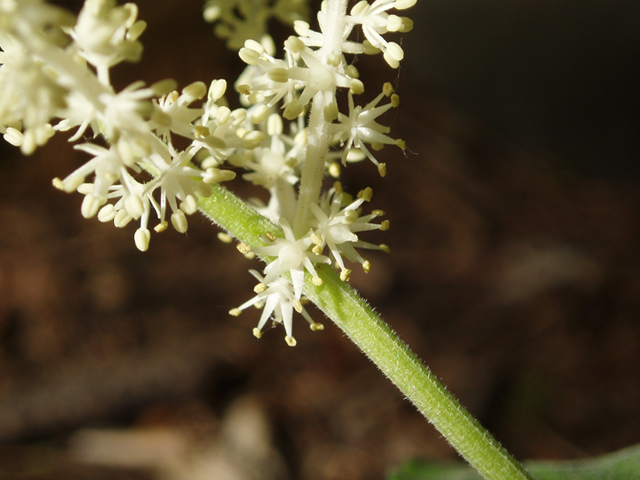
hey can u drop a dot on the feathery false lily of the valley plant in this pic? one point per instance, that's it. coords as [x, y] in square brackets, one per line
[292, 131]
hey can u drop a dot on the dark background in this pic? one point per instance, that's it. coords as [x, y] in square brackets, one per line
[514, 272]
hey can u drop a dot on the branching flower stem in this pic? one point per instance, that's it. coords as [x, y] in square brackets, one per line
[380, 343]
[318, 137]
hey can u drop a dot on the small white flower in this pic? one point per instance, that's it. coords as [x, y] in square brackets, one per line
[172, 112]
[278, 302]
[291, 256]
[336, 227]
[317, 76]
[29, 98]
[273, 80]
[106, 34]
[81, 113]
[277, 160]
[311, 38]
[176, 178]
[179, 189]
[126, 110]
[376, 21]
[106, 164]
[267, 82]
[360, 127]
[240, 20]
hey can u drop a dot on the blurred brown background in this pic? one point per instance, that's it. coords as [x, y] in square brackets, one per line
[514, 274]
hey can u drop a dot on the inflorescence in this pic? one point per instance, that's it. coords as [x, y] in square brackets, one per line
[291, 131]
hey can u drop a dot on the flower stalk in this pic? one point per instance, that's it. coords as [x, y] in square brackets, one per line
[318, 137]
[313, 169]
[351, 313]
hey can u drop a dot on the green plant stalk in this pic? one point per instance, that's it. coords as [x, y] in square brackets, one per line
[374, 337]
[342, 304]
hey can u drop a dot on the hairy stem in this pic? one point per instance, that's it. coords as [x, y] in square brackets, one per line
[382, 345]
[375, 338]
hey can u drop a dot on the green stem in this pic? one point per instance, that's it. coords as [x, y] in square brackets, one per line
[382, 345]
[236, 217]
[375, 338]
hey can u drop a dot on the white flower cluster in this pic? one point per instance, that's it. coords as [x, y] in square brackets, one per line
[57, 71]
[54, 76]
[240, 20]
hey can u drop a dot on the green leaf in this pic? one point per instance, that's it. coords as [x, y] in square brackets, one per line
[621, 465]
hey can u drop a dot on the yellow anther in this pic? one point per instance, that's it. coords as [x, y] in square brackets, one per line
[331, 112]
[385, 248]
[225, 237]
[384, 226]
[316, 327]
[316, 239]
[252, 139]
[179, 221]
[163, 87]
[260, 288]
[382, 169]
[317, 249]
[356, 86]
[387, 89]
[172, 97]
[290, 341]
[161, 227]
[378, 213]
[367, 194]
[335, 169]
[234, 312]
[201, 131]
[297, 305]
[294, 44]
[243, 89]
[351, 216]
[257, 333]
[279, 75]
[345, 274]
[317, 281]
[333, 59]
[270, 236]
[243, 248]
[395, 100]
[57, 183]
[351, 71]
[366, 266]
[407, 25]
[404, 4]
[338, 187]
[401, 143]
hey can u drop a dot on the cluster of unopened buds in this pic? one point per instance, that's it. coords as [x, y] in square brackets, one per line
[298, 122]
